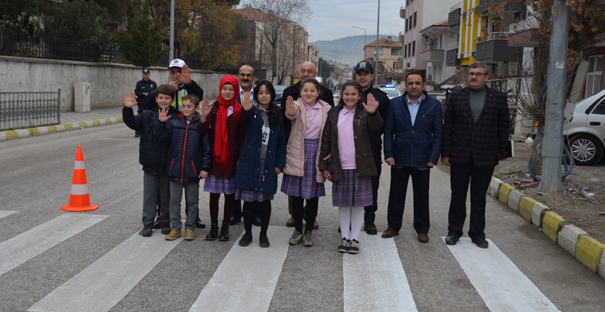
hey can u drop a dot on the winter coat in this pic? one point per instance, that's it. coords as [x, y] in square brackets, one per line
[236, 132]
[247, 174]
[294, 91]
[384, 103]
[413, 146]
[191, 88]
[295, 156]
[144, 87]
[189, 151]
[152, 152]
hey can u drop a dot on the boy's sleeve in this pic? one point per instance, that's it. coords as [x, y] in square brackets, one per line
[162, 130]
[194, 88]
[206, 152]
[130, 120]
[282, 142]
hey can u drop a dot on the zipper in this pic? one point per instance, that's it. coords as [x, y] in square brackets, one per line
[192, 165]
[184, 148]
[170, 169]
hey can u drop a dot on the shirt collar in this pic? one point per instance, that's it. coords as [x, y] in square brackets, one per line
[241, 91]
[316, 106]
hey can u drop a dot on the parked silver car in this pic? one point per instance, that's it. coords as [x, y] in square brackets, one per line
[585, 130]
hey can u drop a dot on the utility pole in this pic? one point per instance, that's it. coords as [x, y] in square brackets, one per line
[377, 42]
[277, 62]
[363, 50]
[552, 150]
[171, 30]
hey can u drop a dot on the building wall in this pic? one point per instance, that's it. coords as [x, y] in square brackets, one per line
[412, 40]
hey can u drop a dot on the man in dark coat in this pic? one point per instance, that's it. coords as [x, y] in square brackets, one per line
[476, 130]
[307, 70]
[143, 88]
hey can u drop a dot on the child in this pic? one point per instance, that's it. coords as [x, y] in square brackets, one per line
[188, 161]
[302, 179]
[346, 159]
[263, 158]
[227, 131]
[152, 155]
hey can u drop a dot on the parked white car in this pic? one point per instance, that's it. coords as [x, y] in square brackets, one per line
[391, 92]
[585, 130]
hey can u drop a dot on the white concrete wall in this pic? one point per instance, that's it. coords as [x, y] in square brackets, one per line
[108, 82]
[435, 11]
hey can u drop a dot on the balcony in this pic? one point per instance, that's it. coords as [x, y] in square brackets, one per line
[402, 12]
[451, 55]
[432, 56]
[524, 34]
[453, 18]
[494, 48]
[483, 7]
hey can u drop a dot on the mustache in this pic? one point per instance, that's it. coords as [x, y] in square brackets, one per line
[473, 80]
[245, 80]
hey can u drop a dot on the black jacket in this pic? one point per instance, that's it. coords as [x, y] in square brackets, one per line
[383, 108]
[142, 88]
[152, 152]
[294, 92]
[192, 88]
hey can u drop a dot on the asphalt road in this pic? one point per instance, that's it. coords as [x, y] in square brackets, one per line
[101, 262]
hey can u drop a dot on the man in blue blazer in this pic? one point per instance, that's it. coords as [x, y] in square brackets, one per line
[476, 130]
[412, 144]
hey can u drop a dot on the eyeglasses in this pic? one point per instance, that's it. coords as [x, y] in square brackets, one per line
[476, 74]
[246, 75]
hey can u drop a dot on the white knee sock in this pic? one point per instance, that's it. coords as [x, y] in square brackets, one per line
[344, 216]
[356, 221]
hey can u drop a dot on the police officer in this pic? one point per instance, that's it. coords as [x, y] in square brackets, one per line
[143, 88]
[364, 74]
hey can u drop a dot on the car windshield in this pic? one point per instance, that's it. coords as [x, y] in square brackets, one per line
[391, 92]
[279, 88]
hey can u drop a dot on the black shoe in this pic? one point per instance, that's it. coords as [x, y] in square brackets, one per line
[157, 225]
[246, 240]
[480, 242]
[370, 229]
[213, 234]
[147, 230]
[234, 221]
[200, 225]
[224, 236]
[263, 241]
[451, 239]
[256, 221]
[166, 228]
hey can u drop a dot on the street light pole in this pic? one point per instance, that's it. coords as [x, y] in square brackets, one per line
[377, 39]
[363, 51]
[171, 30]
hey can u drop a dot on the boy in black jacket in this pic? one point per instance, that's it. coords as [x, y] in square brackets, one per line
[189, 159]
[152, 155]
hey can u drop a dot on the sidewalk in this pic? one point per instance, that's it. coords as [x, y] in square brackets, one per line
[70, 121]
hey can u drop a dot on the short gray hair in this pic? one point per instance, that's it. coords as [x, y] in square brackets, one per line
[480, 65]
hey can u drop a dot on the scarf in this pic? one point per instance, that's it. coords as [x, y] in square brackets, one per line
[221, 138]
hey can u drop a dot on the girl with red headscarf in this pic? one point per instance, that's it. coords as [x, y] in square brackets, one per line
[227, 131]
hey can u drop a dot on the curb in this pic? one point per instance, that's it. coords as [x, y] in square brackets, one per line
[589, 251]
[23, 133]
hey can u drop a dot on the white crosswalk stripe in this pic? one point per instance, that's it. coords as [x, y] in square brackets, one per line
[5, 213]
[27, 245]
[385, 287]
[498, 281]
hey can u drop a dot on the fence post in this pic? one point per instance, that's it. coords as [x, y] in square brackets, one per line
[59, 106]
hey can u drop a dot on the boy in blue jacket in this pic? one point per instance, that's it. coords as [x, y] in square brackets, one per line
[189, 160]
[152, 155]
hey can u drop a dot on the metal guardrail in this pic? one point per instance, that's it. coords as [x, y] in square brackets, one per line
[29, 109]
[453, 45]
[457, 6]
[522, 25]
[494, 36]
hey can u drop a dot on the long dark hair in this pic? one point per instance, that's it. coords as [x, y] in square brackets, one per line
[273, 111]
[354, 84]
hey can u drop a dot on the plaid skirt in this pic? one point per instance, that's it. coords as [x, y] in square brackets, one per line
[219, 185]
[352, 191]
[305, 186]
[253, 196]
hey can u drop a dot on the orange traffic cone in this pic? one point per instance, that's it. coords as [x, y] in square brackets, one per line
[79, 200]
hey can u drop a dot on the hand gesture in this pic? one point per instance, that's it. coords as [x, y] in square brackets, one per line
[174, 85]
[205, 109]
[129, 100]
[328, 175]
[163, 114]
[247, 102]
[277, 171]
[203, 174]
[291, 109]
[185, 76]
[371, 106]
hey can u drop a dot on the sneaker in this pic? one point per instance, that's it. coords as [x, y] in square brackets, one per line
[166, 228]
[263, 241]
[147, 230]
[189, 235]
[173, 235]
[308, 240]
[344, 246]
[353, 247]
[296, 238]
[246, 240]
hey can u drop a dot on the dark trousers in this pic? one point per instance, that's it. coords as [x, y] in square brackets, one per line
[237, 210]
[249, 210]
[479, 178]
[370, 211]
[399, 186]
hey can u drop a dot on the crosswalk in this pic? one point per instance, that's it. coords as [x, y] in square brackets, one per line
[246, 278]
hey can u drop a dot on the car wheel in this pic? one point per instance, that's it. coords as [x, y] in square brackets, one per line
[586, 150]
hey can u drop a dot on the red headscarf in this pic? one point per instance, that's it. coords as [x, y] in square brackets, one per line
[221, 138]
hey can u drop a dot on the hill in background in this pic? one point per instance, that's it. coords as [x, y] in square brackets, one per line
[344, 50]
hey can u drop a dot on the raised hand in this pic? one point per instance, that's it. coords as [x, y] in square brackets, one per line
[247, 102]
[203, 174]
[291, 109]
[129, 100]
[185, 76]
[371, 106]
[205, 109]
[163, 114]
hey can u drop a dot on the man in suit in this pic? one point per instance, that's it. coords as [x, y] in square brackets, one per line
[475, 133]
[307, 70]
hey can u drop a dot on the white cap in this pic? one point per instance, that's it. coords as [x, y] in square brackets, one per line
[176, 63]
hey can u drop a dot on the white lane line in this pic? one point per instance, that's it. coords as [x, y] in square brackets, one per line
[384, 287]
[27, 245]
[4, 213]
[246, 279]
[105, 282]
[498, 281]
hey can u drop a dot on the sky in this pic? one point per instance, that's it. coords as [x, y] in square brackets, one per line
[332, 19]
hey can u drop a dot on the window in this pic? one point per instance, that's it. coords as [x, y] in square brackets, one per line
[405, 52]
[414, 48]
[415, 19]
[593, 80]
[406, 26]
[411, 20]
[395, 51]
[395, 65]
[600, 109]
